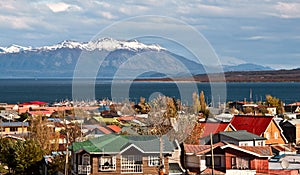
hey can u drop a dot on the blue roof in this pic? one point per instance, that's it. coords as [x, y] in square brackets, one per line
[14, 124]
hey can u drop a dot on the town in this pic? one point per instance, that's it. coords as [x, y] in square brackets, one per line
[161, 136]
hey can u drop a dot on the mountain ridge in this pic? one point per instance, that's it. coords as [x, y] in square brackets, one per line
[59, 60]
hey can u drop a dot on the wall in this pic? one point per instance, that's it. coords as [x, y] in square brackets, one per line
[147, 170]
[272, 129]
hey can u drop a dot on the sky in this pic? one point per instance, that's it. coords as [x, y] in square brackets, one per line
[264, 32]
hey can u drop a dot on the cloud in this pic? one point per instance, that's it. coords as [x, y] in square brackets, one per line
[258, 37]
[108, 15]
[287, 10]
[61, 7]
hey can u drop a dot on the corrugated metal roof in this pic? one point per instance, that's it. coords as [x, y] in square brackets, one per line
[213, 127]
[116, 143]
[251, 123]
[14, 124]
[241, 135]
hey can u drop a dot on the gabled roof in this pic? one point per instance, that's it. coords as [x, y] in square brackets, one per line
[242, 135]
[259, 151]
[98, 131]
[199, 149]
[112, 143]
[114, 128]
[254, 124]
[213, 127]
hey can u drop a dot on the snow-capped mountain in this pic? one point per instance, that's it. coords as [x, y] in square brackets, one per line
[107, 44]
[14, 49]
[60, 60]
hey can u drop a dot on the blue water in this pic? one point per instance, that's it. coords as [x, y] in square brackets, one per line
[52, 90]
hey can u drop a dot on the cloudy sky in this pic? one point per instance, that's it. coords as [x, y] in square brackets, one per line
[265, 32]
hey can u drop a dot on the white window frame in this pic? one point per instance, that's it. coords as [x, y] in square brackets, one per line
[112, 163]
[153, 160]
[86, 158]
[268, 135]
[276, 135]
[131, 164]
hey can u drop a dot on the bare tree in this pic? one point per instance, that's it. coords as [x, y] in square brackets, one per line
[164, 119]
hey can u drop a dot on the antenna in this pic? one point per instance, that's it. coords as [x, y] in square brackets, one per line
[284, 164]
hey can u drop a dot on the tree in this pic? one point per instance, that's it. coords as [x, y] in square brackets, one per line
[57, 164]
[196, 132]
[199, 104]
[164, 119]
[275, 102]
[44, 135]
[21, 157]
[142, 107]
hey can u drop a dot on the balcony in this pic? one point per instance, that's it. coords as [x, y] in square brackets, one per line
[84, 169]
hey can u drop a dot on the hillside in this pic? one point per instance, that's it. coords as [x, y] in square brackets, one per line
[244, 76]
[264, 76]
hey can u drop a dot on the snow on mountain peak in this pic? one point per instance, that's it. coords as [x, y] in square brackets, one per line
[110, 44]
[107, 44]
[64, 44]
[15, 48]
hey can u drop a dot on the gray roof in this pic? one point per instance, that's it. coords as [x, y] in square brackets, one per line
[14, 124]
[241, 135]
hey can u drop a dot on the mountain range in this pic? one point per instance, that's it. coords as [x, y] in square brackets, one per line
[59, 60]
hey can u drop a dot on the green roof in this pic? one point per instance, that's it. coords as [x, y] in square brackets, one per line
[112, 143]
[241, 135]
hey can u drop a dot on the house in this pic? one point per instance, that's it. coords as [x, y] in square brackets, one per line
[228, 158]
[215, 127]
[120, 154]
[291, 130]
[14, 128]
[114, 128]
[293, 107]
[239, 138]
[264, 126]
[97, 132]
[286, 162]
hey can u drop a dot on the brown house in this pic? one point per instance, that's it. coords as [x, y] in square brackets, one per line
[228, 158]
[119, 154]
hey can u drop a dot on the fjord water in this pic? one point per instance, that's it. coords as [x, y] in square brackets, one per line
[52, 90]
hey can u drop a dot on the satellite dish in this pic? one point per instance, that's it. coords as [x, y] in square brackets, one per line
[284, 164]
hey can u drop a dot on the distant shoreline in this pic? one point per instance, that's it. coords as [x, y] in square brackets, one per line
[238, 76]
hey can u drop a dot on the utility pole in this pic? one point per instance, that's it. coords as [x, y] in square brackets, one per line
[67, 154]
[161, 165]
[212, 155]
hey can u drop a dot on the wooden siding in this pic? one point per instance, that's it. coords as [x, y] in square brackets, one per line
[272, 129]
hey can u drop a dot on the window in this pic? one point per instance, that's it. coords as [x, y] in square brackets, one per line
[217, 161]
[267, 135]
[13, 129]
[85, 159]
[107, 163]
[153, 160]
[276, 135]
[241, 162]
[233, 162]
[131, 164]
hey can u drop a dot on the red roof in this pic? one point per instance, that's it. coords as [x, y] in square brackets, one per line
[254, 124]
[213, 127]
[35, 103]
[104, 130]
[114, 128]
